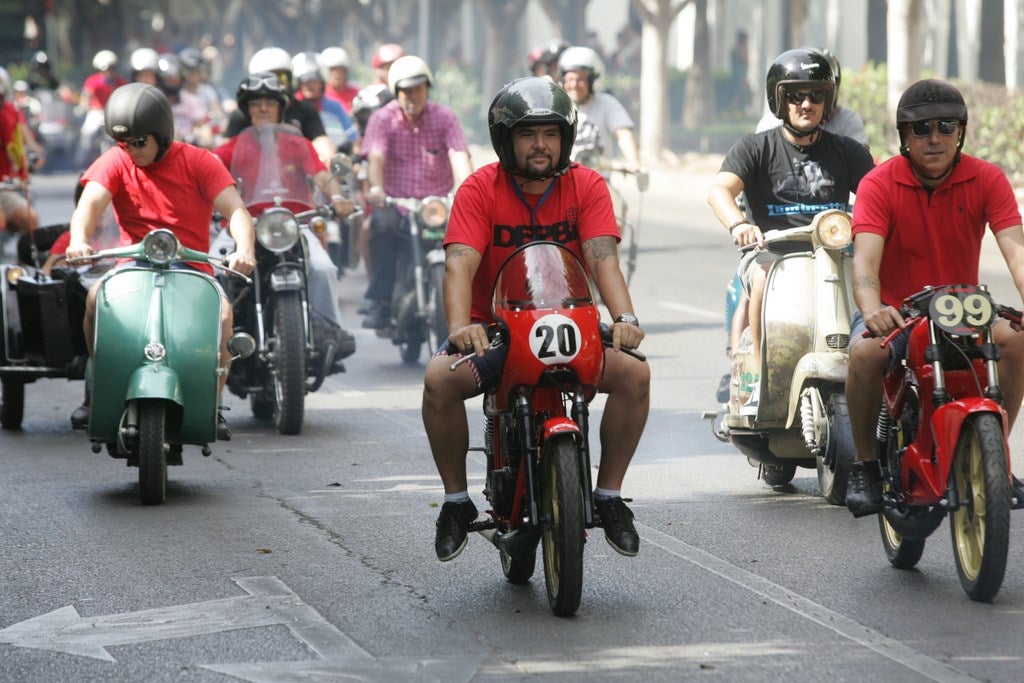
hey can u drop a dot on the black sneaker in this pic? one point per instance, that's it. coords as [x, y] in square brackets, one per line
[452, 525]
[617, 520]
[1018, 492]
[379, 316]
[864, 489]
[80, 418]
[223, 430]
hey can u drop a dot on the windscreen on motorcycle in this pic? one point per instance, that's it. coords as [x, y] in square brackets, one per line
[273, 164]
[539, 276]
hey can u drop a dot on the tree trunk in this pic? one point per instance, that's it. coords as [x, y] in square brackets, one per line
[904, 48]
[698, 104]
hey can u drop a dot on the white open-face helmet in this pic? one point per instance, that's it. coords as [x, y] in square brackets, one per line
[334, 57]
[407, 72]
[104, 60]
[270, 59]
[581, 58]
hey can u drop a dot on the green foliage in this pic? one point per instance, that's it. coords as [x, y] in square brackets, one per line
[865, 91]
[994, 131]
[458, 87]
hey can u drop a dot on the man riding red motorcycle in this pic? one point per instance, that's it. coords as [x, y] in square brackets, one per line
[919, 220]
[532, 193]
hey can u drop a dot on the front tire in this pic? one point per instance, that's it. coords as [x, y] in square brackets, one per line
[151, 451]
[563, 524]
[980, 526]
[834, 464]
[289, 362]
[12, 403]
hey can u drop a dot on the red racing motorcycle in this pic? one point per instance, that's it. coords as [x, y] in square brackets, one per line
[942, 437]
[536, 419]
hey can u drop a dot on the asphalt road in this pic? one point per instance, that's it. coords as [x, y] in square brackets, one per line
[310, 558]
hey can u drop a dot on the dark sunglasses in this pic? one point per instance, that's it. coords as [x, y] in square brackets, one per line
[137, 143]
[923, 129]
[815, 96]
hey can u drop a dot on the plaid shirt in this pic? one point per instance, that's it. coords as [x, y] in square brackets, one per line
[416, 160]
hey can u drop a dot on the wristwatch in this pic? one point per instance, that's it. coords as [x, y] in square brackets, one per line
[629, 319]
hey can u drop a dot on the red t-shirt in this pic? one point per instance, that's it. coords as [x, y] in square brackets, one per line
[489, 216]
[100, 87]
[176, 192]
[345, 96]
[13, 163]
[296, 160]
[932, 238]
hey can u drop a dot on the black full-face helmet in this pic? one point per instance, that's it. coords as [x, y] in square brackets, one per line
[531, 101]
[930, 99]
[139, 109]
[799, 69]
[261, 84]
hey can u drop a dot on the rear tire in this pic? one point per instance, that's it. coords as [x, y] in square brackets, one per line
[12, 403]
[563, 524]
[980, 526]
[518, 570]
[151, 451]
[902, 553]
[778, 475]
[834, 465]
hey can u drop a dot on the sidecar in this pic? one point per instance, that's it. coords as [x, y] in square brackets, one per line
[40, 332]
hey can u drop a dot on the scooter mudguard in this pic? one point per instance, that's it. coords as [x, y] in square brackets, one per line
[827, 367]
[152, 325]
[947, 423]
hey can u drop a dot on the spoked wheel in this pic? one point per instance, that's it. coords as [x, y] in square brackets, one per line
[902, 553]
[289, 363]
[562, 513]
[980, 526]
[778, 475]
[152, 452]
[518, 570]
[437, 324]
[12, 403]
[834, 463]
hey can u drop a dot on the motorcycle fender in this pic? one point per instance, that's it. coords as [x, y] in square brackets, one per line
[948, 421]
[828, 367]
[286, 279]
[434, 257]
[559, 425]
[154, 380]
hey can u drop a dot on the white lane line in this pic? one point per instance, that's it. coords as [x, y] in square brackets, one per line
[694, 310]
[842, 625]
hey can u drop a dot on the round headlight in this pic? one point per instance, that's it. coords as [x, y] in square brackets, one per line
[835, 230]
[434, 212]
[160, 246]
[277, 229]
[15, 273]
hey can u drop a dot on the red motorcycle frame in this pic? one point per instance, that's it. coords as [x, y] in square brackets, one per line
[942, 437]
[536, 419]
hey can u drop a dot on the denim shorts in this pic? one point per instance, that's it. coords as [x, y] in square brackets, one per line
[897, 347]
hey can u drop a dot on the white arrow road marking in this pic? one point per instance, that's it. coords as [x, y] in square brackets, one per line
[269, 602]
[393, 670]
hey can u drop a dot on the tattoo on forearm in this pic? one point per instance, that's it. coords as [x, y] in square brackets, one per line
[866, 282]
[600, 248]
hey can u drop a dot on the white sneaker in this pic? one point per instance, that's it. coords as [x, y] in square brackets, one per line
[750, 406]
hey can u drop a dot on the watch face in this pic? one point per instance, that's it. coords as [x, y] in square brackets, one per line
[627, 318]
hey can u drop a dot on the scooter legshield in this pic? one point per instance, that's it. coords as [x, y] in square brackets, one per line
[179, 309]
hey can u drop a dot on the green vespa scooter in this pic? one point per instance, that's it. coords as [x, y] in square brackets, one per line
[153, 374]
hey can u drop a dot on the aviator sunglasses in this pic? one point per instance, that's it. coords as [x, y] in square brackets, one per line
[137, 143]
[815, 96]
[922, 129]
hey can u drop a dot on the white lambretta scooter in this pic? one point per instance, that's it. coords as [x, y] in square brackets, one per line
[801, 418]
